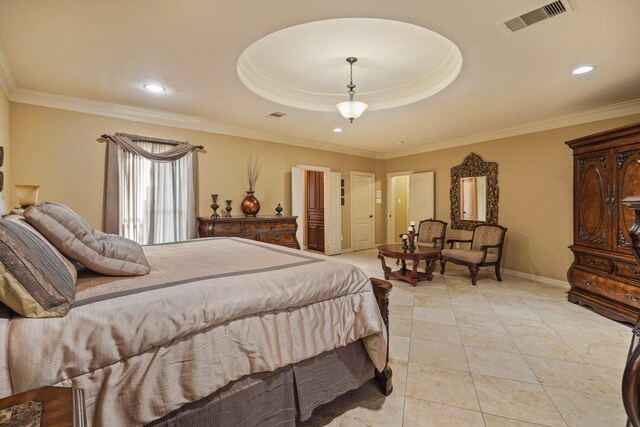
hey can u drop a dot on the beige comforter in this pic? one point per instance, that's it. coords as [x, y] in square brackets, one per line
[210, 312]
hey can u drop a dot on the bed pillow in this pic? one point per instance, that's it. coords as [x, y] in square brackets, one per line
[35, 279]
[103, 253]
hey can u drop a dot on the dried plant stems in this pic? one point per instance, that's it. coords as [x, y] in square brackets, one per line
[253, 172]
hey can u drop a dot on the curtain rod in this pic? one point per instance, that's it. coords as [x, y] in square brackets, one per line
[139, 138]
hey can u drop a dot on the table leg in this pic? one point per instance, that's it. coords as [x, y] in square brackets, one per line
[385, 269]
[404, 267]
[414, 273]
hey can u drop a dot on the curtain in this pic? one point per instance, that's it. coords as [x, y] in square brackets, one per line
[150, 190]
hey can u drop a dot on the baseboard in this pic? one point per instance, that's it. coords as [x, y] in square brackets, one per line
[547, 280]
[346, 251]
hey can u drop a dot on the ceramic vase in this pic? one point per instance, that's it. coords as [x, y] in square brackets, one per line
[250, 206]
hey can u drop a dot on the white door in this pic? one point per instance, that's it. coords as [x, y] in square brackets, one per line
[362, 210]
[421, 196]
[332, 214]
[297, 202]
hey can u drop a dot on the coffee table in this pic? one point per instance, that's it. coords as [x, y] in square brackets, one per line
[420, 253]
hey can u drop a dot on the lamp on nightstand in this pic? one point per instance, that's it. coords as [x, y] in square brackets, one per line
[27, 195]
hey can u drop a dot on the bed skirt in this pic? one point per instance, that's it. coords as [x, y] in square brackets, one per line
[279, 398]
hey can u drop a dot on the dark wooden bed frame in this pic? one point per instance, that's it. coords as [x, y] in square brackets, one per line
[381, 289]
[631, 375]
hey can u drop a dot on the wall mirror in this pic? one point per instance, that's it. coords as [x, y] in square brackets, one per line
[474, 193]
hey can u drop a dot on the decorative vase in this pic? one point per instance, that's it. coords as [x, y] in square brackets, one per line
[250, 206]
[228, 208]
[215, 206]
[279, 210]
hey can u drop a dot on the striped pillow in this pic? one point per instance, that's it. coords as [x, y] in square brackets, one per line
[35, 279]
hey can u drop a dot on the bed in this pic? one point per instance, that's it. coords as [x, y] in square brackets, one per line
[217, 323]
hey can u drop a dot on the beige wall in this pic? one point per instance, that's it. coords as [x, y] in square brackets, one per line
[4, 142]
[58, 150]
[535, 192]
[400, 205]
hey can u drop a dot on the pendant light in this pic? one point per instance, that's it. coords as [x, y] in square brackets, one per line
[351, 109]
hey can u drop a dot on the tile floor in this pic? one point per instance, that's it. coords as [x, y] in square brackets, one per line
[510, 353]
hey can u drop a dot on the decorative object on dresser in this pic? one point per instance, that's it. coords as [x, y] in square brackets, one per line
[279, 210]
[486, 250]
[215, 206]
[279, 230]
[228, 208]
[474, 193]
[45, 407]
[604, 274]
[250, 206]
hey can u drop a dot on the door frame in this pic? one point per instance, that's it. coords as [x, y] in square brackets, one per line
[302, 219]
[390, 202]
[373, 204]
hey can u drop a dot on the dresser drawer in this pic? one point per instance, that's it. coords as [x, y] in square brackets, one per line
[285, 225]
[283, 239]
[609, 288]
[253, 226]
[631, 271]
[595, 262]
[227, 229]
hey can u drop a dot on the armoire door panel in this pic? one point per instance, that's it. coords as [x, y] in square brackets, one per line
[593, 212]
[315, 210]
[628, 184]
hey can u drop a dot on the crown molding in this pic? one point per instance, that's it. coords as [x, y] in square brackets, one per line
[621, 109]
[7, 83]
[163, 118]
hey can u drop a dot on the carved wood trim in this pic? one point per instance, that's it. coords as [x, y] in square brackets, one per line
[473, 165]
[602, 240]
[602, 159]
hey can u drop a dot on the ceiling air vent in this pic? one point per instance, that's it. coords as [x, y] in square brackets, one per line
[545, 12]
[277, 114]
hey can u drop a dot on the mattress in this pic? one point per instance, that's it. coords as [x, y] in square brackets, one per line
[210, 312]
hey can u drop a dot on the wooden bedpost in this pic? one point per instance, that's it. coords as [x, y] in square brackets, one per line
[381, 289]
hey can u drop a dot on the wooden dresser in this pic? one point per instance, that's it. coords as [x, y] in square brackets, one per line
[604, 274]
[279, 230]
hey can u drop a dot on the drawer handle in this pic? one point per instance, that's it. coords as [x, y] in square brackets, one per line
[227, 227]
[634, 271]
[277, 238]
[590, 261]
[632, 298]
[589, 283]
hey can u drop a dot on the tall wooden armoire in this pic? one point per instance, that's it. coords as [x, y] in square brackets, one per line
[604, 274]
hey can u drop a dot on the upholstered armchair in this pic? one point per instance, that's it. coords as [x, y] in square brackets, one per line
[431, 233]
[486, 250]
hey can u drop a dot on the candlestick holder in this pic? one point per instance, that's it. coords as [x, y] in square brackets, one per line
[279, 210]
[412, 239]
[215, 206]
[228, 208]
[404, 242]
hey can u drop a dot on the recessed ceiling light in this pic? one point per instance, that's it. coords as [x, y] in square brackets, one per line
[154, 88]
[337, 130]
[583, 69]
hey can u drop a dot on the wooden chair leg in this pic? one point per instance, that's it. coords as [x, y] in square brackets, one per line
[474, 273]
[442, 263]
[498, 273]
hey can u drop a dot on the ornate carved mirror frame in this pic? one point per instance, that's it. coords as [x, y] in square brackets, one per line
[471, 166]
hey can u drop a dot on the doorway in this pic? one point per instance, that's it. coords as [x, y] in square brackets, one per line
[315, 210]
[327, 232]
[411, 197]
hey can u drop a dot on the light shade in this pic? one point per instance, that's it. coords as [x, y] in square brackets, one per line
[351, 109]
[27, 194]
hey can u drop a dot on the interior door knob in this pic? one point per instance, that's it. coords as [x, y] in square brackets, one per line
[370, 216]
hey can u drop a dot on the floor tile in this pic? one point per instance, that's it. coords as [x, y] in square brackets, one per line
[478, 321]
[612, 375]
[500, 364]
[435, 332]
[546, 347]
[495, 421]
[515, 399]
[601, 354]
[399, 370]
[567, 375]
[441, 302]
[584, 409]
[434, 315]
[418, 413]
[437, 354]
[399, 348]
[439, 385]
[400, 327]
[484, 338]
